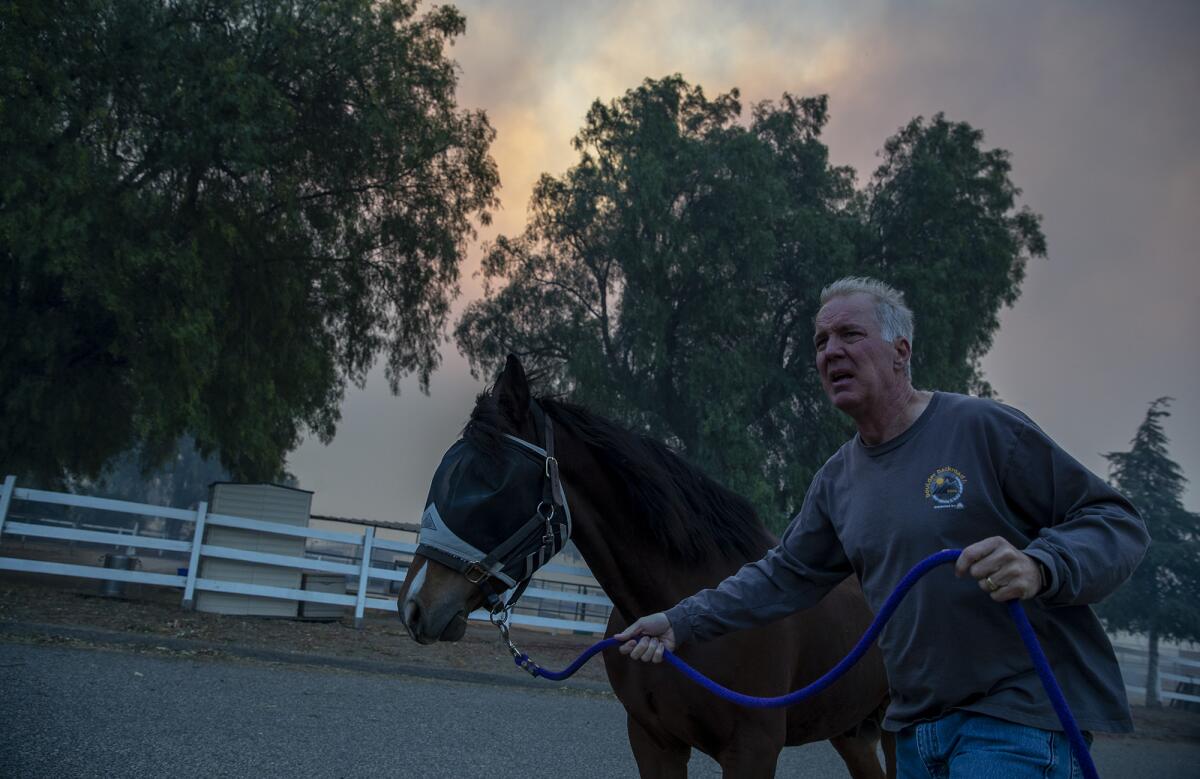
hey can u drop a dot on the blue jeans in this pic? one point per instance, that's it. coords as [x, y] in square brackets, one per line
[967, 745]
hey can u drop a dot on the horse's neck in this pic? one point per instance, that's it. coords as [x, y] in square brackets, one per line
[638, 577]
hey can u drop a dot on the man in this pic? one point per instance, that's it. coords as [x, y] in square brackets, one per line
[928, 471]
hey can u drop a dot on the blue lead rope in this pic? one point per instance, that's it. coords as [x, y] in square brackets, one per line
[1053, 691]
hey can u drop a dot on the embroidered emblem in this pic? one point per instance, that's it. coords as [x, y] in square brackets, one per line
[945, 488]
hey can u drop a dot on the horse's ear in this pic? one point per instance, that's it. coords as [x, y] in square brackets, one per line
[512, 391]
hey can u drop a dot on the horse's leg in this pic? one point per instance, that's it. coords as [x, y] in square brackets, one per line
[654, 758]
[751, 755]
[888, 740]
[858, 752]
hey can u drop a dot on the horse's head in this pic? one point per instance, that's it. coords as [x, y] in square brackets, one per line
[495, 513]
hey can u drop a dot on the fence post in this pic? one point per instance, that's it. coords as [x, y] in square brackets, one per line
[189, 591]
[6, 493]
[361, 603]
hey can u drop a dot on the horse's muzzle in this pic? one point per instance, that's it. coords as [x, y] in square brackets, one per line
[427, 628]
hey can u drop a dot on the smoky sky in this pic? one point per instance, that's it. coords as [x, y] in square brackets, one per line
[1097, 103]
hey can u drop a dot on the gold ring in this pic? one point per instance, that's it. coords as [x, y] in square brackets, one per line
[991, 584]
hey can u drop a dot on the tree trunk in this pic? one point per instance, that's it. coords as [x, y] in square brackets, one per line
[1152, 699]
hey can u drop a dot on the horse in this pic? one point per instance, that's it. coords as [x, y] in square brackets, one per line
[654, 529]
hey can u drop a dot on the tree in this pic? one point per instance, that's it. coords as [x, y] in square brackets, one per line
[1159, 600]
[215, 215]
[671, 276]
[944, 228]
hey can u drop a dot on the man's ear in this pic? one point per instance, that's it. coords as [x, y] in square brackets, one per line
[903, 353]
[512, 391]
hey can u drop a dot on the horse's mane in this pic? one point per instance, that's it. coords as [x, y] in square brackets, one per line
[687, 514]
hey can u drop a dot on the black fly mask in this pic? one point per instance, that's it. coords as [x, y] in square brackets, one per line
[496, 517]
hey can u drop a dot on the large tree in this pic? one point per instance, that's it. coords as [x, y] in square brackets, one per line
[1159, 600]
[215, 215]
[670, 277]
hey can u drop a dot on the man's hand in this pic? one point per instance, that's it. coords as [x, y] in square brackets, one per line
[1002, 570]
[648, 638]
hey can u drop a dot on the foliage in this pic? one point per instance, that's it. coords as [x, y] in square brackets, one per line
[944, 230]
[1160, 598]
[671, 276]
[215, 215]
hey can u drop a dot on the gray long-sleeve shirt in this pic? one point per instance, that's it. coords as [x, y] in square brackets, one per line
[966, 470]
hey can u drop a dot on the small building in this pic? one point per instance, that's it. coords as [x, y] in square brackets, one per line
[269, 503]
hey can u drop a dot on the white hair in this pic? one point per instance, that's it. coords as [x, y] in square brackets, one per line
[895, 319]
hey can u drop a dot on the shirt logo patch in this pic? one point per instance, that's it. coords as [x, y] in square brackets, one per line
[945, 488]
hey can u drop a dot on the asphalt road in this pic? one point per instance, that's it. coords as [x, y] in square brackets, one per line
[68, 712]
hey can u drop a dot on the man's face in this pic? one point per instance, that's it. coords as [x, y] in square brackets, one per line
[857, 367]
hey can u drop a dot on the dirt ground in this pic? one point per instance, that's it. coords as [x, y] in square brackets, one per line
[156, 611]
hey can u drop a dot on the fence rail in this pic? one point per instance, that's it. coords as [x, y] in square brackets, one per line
[1178, 677]
[360, 572]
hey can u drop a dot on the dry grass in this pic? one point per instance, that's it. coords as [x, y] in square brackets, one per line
[156, 611]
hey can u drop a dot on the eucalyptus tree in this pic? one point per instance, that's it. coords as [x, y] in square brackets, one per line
[671, 275]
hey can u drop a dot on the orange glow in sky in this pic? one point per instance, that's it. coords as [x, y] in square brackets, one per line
[1095, 101]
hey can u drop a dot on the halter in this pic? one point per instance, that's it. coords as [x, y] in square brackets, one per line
[509, 566]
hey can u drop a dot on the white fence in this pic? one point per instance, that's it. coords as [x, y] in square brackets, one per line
[362, 571]
[1178, 677]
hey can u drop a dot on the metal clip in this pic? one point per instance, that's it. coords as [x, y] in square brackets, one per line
[528, 665]
[475, 573]
[548, 461]
[499, 617]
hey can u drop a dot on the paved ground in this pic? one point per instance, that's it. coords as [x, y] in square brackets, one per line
[71, 712]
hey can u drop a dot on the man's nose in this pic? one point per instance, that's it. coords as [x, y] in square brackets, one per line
[834, 347]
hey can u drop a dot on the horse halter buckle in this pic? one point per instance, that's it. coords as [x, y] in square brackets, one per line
[475, 573]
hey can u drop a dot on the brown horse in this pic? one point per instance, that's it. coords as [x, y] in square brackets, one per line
[654, 529]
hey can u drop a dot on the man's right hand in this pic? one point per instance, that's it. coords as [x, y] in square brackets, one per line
[648, 638]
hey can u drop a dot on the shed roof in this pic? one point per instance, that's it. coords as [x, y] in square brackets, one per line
[404, 526]
[260, 484]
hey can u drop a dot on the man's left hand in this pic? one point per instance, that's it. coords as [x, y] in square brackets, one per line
[1003, 571]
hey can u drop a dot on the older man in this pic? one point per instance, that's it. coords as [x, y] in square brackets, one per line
[928, 471]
